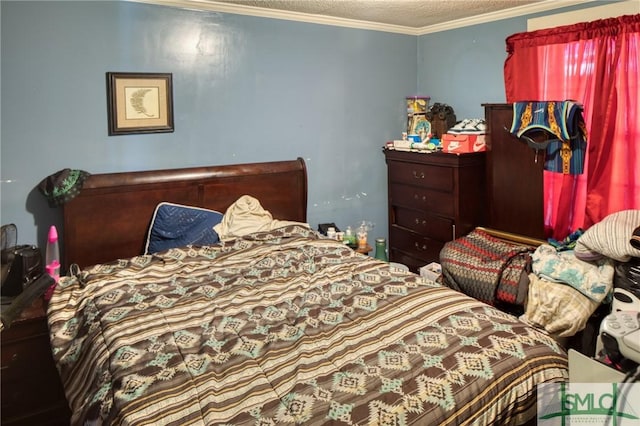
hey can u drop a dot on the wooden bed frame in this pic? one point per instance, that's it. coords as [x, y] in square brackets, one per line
[110, 217]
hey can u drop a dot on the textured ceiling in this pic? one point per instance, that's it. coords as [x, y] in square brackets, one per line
[406, 13]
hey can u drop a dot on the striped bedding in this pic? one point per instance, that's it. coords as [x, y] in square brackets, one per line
[285, 327]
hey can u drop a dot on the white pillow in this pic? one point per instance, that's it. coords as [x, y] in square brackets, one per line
[610, 237]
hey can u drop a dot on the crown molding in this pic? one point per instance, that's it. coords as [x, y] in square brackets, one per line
[214, 6]
[513, 12]
[600, 10]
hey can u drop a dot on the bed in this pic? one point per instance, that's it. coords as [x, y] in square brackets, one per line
[277, 326]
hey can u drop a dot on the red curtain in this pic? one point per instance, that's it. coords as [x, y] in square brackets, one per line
[596, 64]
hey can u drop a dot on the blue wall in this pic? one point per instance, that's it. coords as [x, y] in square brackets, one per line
[246, 89]
[464, 67]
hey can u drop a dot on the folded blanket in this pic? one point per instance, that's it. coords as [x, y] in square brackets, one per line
[246, 215]
[593, 279]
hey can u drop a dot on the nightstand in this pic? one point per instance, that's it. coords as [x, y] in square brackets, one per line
[31, 390]
[364, 250]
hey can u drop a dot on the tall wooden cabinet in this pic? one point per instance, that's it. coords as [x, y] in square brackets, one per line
[433, 198]
[514, 177]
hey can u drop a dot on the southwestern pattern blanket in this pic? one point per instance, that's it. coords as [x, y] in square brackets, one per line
[285, 327]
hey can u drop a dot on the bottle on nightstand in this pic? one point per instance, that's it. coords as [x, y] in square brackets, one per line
[350, 238]
[362, 236]
[381, 249]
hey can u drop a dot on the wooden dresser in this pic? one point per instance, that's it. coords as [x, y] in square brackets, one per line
[31, 391]
[433, 198]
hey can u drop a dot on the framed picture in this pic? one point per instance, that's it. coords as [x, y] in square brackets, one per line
[418, 124]
[139, 103]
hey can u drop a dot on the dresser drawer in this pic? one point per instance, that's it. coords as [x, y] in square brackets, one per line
[424, 175]
[423, 199]
[30, 381]
[32, 393]
[427, 225]
[414, 244]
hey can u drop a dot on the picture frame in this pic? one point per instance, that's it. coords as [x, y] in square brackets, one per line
[139, 103]
[419, 124]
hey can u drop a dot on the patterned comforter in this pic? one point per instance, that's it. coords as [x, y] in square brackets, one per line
[285, 327]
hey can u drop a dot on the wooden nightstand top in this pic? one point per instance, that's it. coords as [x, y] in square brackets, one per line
[32, 320]
[36, 311]
[365, 250]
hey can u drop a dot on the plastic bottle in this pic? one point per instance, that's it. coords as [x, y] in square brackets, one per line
[349, 237]
[52, 263]
[362, 235]
[331, 233]
[381, 249]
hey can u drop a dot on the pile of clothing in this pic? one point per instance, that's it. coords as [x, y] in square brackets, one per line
[586, 274]
[560, 284]
[565, 291]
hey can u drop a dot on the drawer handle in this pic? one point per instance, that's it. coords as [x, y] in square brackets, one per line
[418, 175]
[424, 222]
[417, 197]
[424, 246]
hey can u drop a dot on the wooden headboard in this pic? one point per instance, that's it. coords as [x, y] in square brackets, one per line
[110, 217]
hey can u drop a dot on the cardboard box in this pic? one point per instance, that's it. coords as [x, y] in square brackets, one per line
[431, 271]
[462, 143]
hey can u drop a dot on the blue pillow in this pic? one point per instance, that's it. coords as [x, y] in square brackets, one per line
[175, 225]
